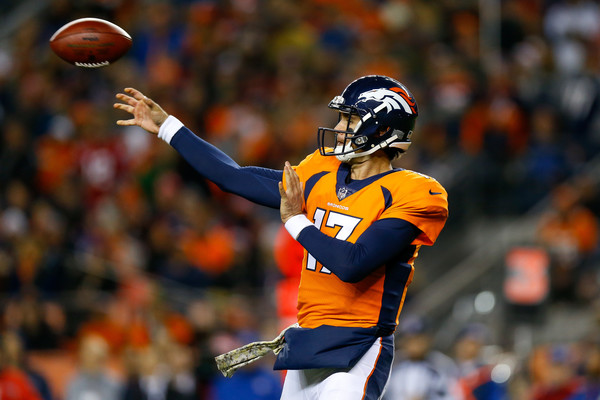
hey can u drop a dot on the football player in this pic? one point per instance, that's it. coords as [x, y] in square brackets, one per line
[360, 221]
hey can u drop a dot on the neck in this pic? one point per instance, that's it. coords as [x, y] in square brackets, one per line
[368, 166]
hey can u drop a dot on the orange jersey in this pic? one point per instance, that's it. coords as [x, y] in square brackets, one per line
[376, 300]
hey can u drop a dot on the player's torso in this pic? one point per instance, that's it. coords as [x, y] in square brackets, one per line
[345, 212]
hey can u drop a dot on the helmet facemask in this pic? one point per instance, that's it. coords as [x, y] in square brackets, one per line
[342, 143]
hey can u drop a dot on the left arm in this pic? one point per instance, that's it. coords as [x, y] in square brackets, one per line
[256, 184]
[351, 262]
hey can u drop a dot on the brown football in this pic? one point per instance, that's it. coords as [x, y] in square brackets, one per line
[90, 42]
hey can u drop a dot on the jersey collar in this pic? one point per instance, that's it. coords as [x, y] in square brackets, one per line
[345, 186]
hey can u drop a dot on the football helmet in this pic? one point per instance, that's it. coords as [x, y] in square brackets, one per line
[386, 113]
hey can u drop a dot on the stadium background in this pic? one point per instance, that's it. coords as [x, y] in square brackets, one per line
[106, 232]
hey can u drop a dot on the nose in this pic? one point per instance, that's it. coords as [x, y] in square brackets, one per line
[341, 125]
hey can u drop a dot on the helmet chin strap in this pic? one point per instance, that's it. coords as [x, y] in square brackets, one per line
[348, 156]
[343, 157]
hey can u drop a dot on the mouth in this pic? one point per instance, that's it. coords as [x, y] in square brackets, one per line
[348, 144]
[342, 140]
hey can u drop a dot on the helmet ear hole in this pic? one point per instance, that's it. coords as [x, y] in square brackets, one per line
[382, 131]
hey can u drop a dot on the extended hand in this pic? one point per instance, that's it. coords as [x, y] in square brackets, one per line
[146, 113]
[292, 196]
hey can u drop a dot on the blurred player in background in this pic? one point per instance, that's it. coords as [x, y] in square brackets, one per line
[421, 372]
[360, 221]
[475, 369]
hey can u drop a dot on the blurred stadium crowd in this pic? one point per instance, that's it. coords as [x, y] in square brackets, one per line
[123, 273]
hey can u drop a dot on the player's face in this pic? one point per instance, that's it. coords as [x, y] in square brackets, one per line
[347, 122]
[341, 136]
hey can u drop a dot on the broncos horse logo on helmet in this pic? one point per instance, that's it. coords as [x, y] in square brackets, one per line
[392, 98]
[387, 113]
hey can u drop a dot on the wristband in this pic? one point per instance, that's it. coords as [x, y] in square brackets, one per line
[169, 128]
[296, 224]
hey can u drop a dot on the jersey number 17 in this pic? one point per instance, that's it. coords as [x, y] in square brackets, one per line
[346, 223]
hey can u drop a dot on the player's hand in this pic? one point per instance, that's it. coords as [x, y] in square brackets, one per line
[146, 113]
[292, 196]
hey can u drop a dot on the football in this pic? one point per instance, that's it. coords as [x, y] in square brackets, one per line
[90, 42]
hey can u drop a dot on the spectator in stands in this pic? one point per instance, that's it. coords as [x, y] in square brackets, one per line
[15, 384]
[93, 379]
[568, 223]
[148, 378]
[590, 385]
[555, 373]
[544, 162]
[14, 357]
[475, 371]
[182, 385]
[570, 232]
[38, 323]
[569, 25]
[17, 158]
[493, 133]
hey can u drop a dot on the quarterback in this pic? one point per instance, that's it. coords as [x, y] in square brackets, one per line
[360, 221]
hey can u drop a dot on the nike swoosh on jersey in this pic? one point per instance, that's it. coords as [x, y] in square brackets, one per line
[434, 193]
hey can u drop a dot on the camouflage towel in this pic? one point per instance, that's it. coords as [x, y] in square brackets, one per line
[229, 362]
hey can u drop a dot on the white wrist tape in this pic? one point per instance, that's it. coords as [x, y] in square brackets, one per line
[169, 128]
[295, 224]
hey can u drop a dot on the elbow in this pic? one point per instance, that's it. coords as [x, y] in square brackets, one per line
[227, 187]
[351, 274]
[224, 184]
[351, 279]
[355, 267]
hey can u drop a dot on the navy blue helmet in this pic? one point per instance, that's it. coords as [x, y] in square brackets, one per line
[387, 113]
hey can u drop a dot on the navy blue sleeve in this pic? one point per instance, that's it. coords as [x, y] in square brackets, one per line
[351, 262]
[259, 185]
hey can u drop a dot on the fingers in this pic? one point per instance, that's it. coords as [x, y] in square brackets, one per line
[133, 101]
[129, 105]
[134, 97]
[291, 195]
[126, 122]
[289, 173]
[281, 190]
[124, 107]
[292, 179]
[127, 99]
[288, 178]
[135, 93]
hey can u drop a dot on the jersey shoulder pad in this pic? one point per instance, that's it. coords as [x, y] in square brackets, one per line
[418, 199]
[417, 186]
[315, 163]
